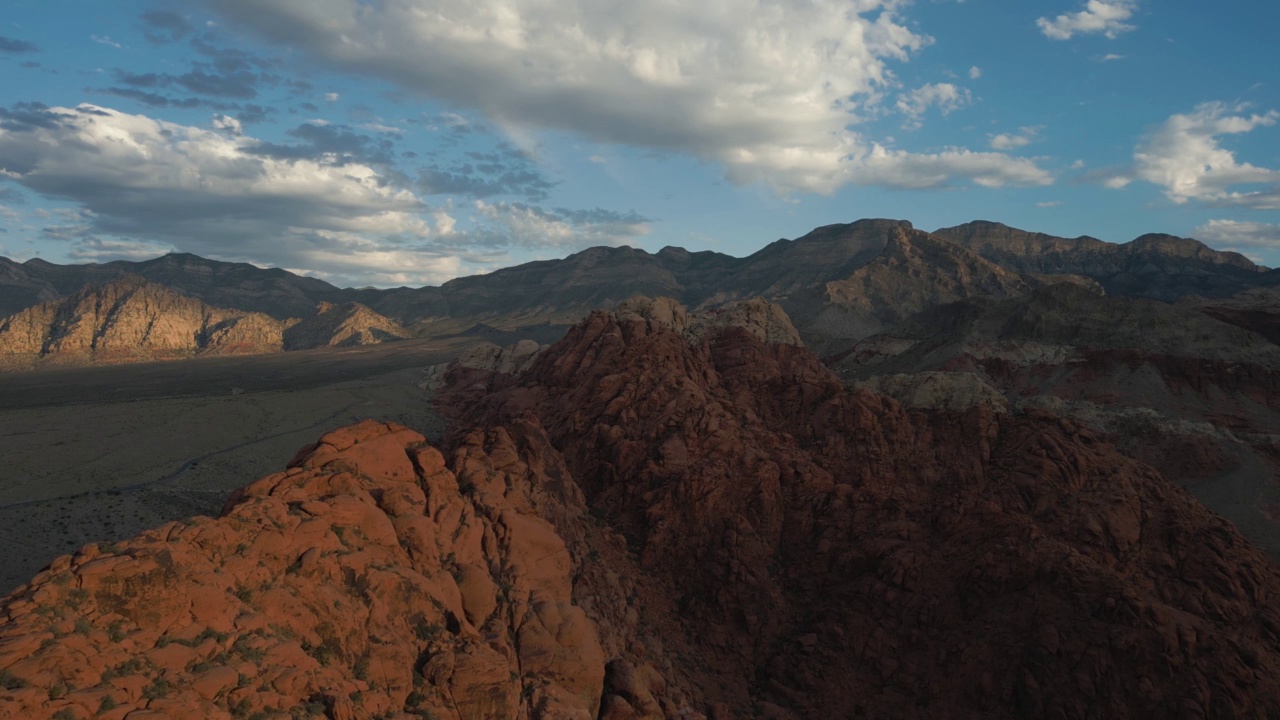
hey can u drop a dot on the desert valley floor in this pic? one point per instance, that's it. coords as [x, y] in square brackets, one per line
[103, 453]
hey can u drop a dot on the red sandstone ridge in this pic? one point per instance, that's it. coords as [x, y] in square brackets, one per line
[833, 555]
[360, 583]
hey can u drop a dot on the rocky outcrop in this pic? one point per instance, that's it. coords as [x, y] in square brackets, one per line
[130, 320]
[344, 325]
[834, 555]
[763, 320]
[485, 360]
[370, 579]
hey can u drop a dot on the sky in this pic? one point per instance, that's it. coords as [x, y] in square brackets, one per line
[406, 142]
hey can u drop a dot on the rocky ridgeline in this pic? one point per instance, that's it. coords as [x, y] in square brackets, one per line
[343, 325]
[652, 522]
[131, 320]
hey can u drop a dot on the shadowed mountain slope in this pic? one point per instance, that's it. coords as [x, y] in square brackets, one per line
[1157, 266]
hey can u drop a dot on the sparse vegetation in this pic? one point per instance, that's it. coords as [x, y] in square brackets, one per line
[157, 689]
[243, 649]
[9, 681]
[132, 666]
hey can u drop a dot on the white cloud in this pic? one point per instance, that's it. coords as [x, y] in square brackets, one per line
[1012, 141]
[166, 185]
[975, 72]
[945, 96]
[1238, 234]
[1008, 141]
[331, 97]
[769, 90]
[105, 40]
[227, 123]
[1183, 156]
[921, 171]
[1049, 204]
[1099, 16]
[1109, 57]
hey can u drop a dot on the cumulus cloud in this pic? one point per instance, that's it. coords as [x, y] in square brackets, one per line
[228, 124]
[1012, 141]
[205, 191]
[1099, 16]
[944, 96]
[975, 72]
[1235, 234]
[1008, 141]
[1184, 157]
[329, 203]
[768, 90]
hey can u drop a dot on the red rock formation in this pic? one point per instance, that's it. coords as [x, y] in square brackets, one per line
[833, 555]
[358, 583]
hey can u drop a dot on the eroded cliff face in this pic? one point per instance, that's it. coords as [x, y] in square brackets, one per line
[650, 523]
[130, 320]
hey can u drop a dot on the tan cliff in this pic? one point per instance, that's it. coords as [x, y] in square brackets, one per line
[132, 320]
[129, 320]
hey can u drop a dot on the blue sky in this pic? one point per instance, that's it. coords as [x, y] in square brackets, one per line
[389, 142]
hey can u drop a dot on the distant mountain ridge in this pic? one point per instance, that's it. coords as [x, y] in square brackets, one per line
[240, 286]
[839, 283]
[131, 319]
[1161, 267]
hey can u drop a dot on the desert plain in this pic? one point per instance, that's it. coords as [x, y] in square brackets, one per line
[99, 454]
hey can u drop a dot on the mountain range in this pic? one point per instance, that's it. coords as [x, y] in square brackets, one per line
[838, 283]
